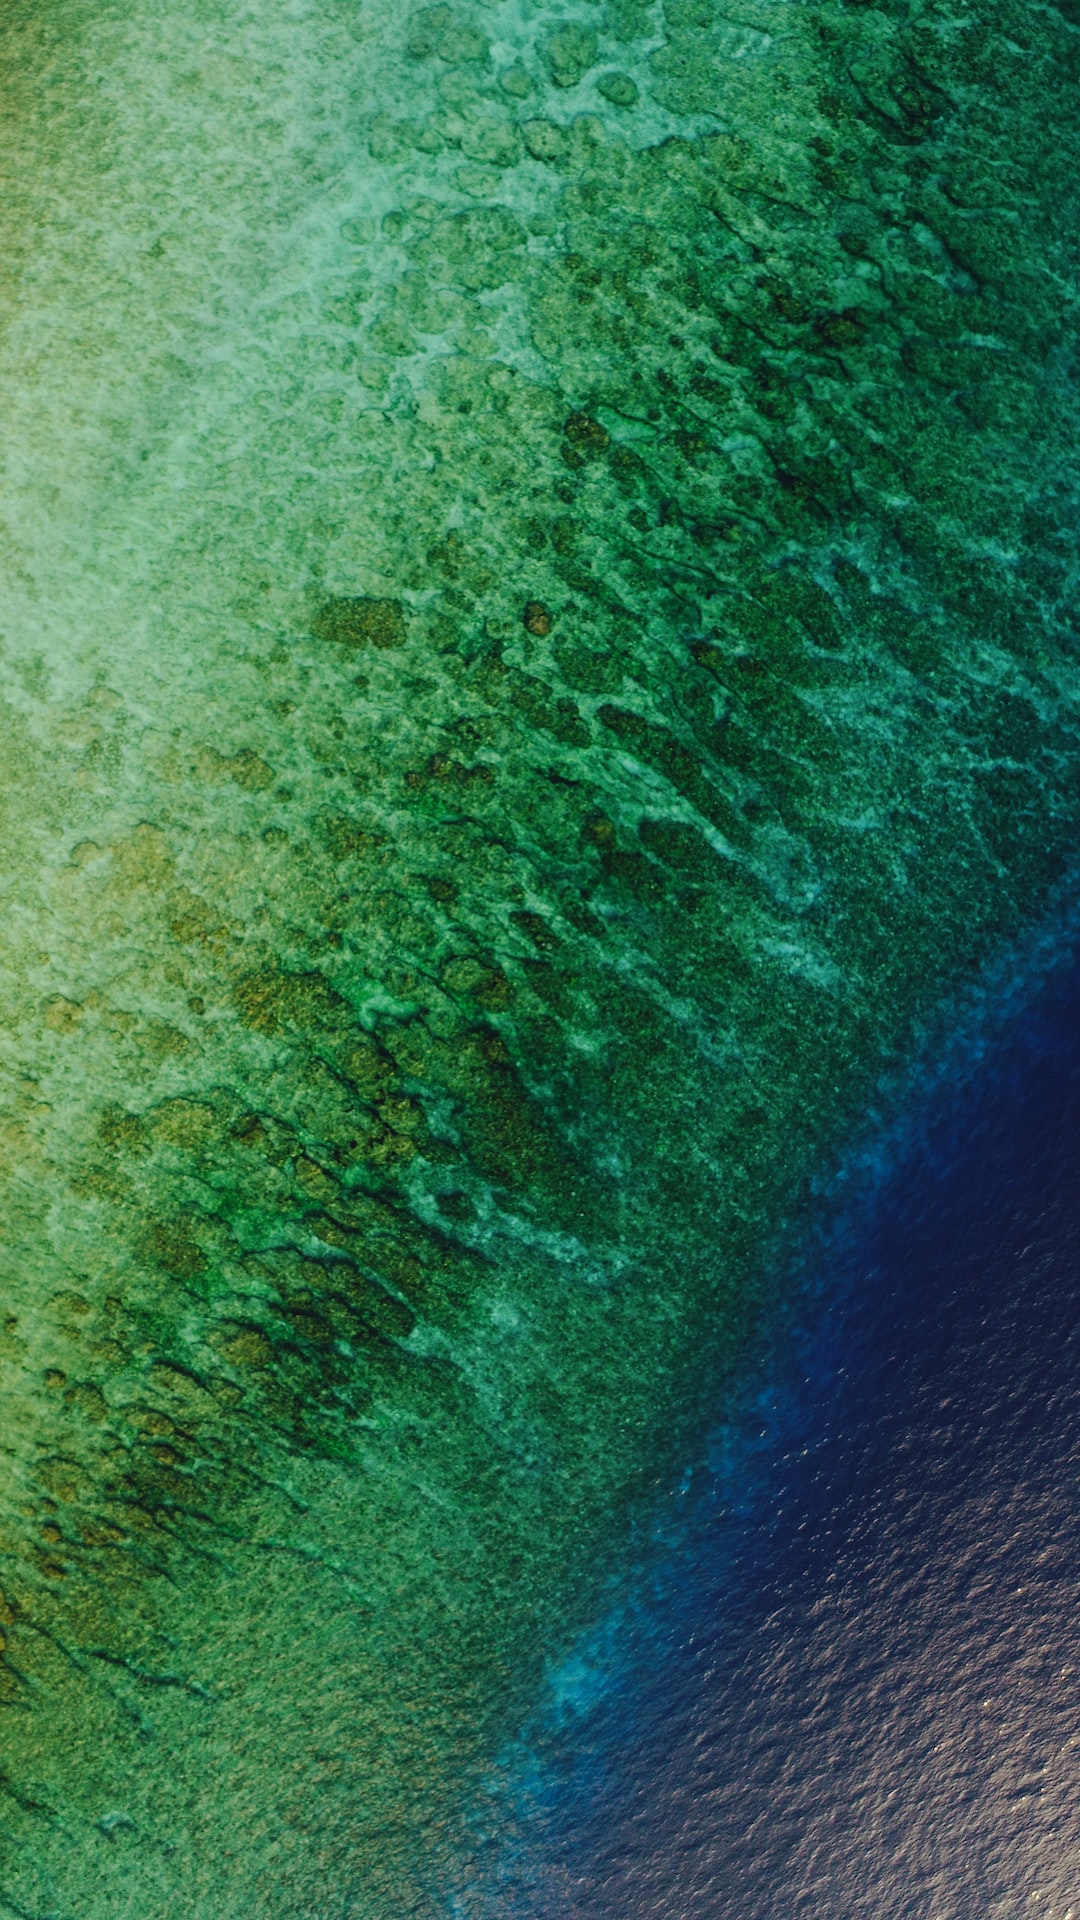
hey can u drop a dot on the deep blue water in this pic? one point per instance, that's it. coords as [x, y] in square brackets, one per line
[853, 1686]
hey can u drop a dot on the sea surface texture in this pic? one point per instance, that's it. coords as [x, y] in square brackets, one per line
[540, 662]
[848, 1687]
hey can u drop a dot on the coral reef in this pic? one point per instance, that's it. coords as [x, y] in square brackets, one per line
[540, 650]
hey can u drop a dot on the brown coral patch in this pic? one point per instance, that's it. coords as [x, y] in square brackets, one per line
[357, 620]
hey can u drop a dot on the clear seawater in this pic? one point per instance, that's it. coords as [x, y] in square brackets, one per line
[539, 674]
[853, 1688]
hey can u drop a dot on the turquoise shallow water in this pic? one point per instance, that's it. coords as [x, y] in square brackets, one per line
[538, 668]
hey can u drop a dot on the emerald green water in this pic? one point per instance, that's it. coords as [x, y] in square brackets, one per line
[539, 657]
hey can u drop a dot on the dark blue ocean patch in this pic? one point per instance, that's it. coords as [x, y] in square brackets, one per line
[848, 1687]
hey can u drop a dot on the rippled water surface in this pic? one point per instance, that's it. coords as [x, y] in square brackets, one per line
[856, 1690]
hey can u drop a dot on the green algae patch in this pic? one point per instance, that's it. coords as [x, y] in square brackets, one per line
[539, 654]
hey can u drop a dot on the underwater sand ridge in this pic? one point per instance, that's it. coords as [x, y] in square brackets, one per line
[539, 651]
